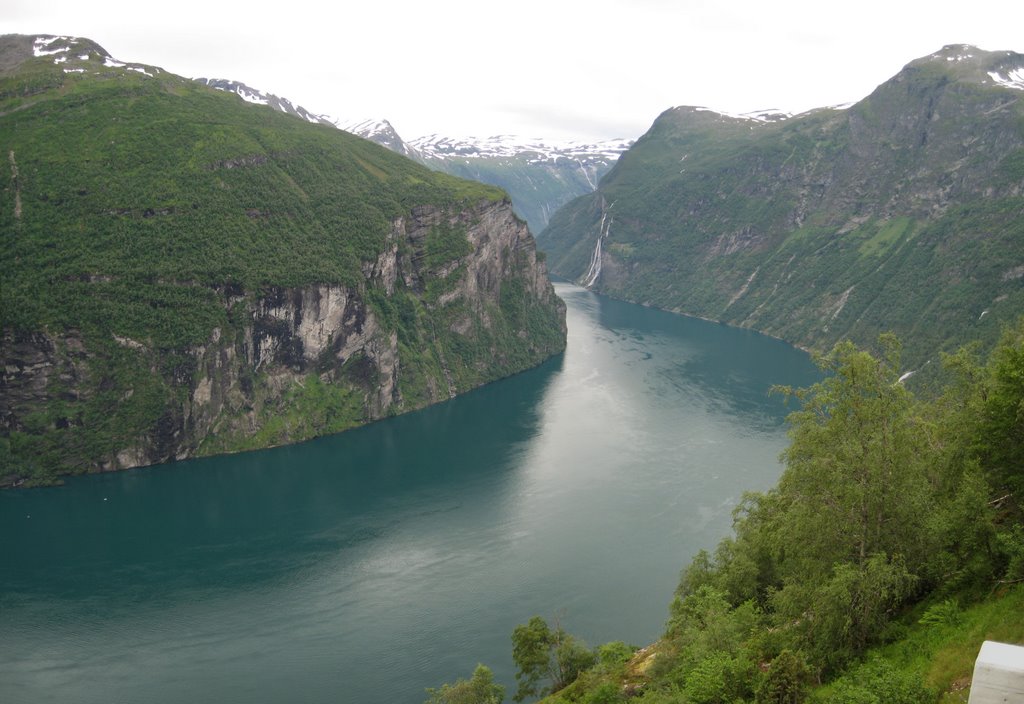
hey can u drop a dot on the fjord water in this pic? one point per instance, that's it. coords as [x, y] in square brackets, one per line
[369, 565]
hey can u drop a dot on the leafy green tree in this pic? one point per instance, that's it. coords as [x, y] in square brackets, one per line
[838, 618]
[710, 636]
[786, 680]
[614, 653]
[705, 622]
[478, 689]
[548, 659]
[851, 525]
[1000, 413]
[856, 480]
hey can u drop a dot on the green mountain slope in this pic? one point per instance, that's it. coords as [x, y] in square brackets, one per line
[904, 212]
[186, 273]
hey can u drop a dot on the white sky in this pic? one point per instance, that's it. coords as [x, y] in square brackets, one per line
[548, 68]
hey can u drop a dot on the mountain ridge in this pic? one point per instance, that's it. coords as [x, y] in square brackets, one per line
[258, 97]
[902, 211]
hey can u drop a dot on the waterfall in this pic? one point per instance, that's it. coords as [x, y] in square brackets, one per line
[593, 186]
[590, 278]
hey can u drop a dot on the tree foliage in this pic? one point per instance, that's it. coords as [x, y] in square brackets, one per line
[478, 689]
[548, 659]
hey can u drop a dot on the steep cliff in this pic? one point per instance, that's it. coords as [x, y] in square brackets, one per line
[186, 274]
[902, 212]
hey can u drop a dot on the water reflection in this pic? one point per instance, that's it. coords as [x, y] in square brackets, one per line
[229, 520]
[731, 370]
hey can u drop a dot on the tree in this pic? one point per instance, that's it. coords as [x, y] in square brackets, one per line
[856, 481]
[479, 689]
[1000, 432]
[786, 680]
[853, 531]
[546, 655]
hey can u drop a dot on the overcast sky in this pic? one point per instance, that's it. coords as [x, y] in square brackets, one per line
[549, 68]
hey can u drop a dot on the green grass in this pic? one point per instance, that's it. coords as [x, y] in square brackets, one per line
[887, 235]
[943, 654]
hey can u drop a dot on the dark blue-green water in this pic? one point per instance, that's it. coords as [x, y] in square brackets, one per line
[369, 565]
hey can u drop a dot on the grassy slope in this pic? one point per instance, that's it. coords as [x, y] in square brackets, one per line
[943, 654]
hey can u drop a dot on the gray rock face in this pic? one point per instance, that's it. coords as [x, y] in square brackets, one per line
[230, 391]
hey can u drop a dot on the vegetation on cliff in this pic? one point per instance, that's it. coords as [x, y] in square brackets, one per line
[174, 260]
[892, 546]
[903, 213]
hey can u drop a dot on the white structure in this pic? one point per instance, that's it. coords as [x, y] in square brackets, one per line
[998, 674]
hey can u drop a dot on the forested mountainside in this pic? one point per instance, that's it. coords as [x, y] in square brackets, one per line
[903, 212]
[187, 274]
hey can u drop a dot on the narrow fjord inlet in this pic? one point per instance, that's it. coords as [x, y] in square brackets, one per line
[366, 566]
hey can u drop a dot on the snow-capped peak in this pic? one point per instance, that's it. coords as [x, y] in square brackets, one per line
[368, 129]
[75, 54]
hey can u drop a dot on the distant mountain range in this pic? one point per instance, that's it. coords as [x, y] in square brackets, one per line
[904, 212]
[539, 175]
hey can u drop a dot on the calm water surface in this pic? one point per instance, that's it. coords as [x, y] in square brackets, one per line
[367, 566]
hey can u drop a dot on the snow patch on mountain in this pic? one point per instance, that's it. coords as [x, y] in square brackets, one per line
[259, 97]
[767, 115]
[367, 129]
[1014, 78]
[956, 52]
[532, 150]
[40, 47]
[68, 51]
[250, 95]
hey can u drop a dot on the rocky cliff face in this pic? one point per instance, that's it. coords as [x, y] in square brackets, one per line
[298, 362]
